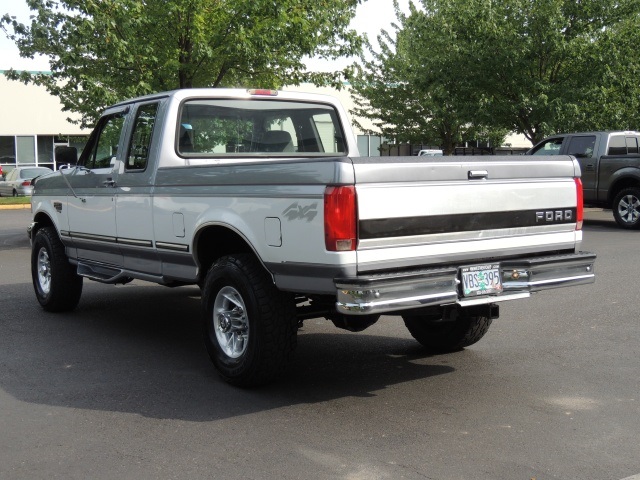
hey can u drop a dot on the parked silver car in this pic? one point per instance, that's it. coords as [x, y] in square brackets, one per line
[18, 181]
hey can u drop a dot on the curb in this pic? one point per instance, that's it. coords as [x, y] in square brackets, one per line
[15, 207]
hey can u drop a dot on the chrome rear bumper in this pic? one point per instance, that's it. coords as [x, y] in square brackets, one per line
[394, 292]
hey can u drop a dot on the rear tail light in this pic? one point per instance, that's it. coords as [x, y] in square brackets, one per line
[26, 183]
[579, 204]
[340, 219]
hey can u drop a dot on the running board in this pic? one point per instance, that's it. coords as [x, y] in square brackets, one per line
[101, 273]
[112, 275]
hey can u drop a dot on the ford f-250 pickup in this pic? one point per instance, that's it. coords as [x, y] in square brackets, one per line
[261, 199]
[610, 164]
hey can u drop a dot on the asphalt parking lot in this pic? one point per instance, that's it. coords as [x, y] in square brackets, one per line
[122, 388]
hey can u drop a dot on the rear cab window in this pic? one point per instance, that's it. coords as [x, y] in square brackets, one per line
[251, 127]
[622, 145]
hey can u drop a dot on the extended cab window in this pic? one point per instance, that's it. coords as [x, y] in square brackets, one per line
[102, 148]
[582, 147]
[141, 137]
[257, 127]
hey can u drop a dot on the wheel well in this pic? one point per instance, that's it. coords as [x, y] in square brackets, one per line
[215, 242]
[42, 220]
[621, 185]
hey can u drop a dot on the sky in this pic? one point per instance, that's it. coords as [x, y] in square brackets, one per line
[371, 17]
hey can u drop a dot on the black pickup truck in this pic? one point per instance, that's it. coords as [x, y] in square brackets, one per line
[610, 164]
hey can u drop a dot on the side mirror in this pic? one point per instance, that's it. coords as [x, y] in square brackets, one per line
[66, 156]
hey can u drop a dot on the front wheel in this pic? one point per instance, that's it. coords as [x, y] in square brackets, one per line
[57, 285]
[626, 208]
[250, 326]
[447, 336]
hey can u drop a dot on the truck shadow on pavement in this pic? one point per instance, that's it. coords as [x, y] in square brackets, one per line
[138, 349]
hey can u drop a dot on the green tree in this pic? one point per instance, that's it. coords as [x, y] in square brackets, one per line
[534, 67]
[104, 51]
[413, 89]
[544, 66]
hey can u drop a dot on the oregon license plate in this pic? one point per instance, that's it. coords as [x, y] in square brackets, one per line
[480, 280]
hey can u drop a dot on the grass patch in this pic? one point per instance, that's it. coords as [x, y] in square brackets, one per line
[15, 200]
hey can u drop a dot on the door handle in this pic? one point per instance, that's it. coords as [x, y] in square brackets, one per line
[109, 182]
[477, 174]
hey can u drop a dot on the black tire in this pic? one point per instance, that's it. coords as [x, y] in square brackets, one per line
[626, 208]
[250, 326]
[57, 285]
[447, 336]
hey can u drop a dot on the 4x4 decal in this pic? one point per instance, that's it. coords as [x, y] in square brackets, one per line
[295, 211]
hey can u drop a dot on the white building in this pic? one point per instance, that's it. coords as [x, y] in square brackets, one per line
[34, 124]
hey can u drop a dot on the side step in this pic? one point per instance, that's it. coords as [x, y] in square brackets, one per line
[101, 273]
[110, 274]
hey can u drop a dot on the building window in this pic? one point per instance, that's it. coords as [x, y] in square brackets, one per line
[45, 149]
[7, 150]
[374, 143]
[78, 142]
[369, 145]
[363, 145]
[26, 150]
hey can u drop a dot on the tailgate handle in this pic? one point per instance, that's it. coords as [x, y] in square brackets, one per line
[477, 174]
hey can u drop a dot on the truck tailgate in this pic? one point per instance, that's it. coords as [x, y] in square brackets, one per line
[414, 212]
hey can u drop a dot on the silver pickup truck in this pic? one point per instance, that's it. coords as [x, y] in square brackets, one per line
[261, 199]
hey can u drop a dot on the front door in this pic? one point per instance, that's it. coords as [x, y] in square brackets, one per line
[92, 203]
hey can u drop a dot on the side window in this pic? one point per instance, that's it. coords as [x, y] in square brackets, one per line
[582, 147]
[550, 147]
[330, 140]
[617, 145]
[138, 154]
[632, 144]
[105, 146]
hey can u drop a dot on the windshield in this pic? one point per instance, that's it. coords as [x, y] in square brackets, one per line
[548, 147]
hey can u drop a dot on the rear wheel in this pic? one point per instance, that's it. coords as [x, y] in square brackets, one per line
[626, 208]
[450, 335]
[57, 285]
[250, 326]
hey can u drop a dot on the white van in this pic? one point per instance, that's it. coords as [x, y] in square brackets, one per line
[430, 153]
